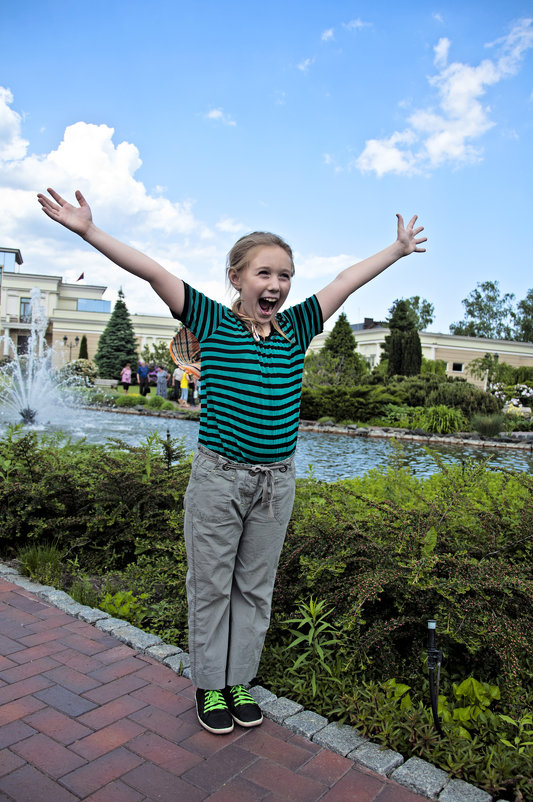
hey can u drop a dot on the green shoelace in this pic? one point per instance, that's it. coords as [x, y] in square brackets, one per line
[214, 700]
[241, 696]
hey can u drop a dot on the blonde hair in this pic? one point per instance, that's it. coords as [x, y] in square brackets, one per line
[239, 258]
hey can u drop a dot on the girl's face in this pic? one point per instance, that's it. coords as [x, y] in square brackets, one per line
[264, 284]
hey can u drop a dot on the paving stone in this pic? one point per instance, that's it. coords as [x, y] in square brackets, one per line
[340, 738]
[459, 791]
[178, 662]
[163, 650]
[305, 723]
[374, 757]
[27, 784]
[261, 695]
[420, 776]
[47, 755]
[281, 708]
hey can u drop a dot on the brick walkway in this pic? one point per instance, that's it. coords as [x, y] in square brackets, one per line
[83, 716]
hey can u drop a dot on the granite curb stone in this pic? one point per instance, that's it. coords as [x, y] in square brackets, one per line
[459, 791]
[376, 757]
[420, 776]
[306, 723]
[415, 774]
[340, 738]
[281, 708]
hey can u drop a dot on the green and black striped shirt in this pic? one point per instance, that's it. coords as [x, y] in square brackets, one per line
[250, 391]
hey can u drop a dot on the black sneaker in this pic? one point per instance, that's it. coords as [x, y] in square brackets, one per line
[212, 711]
[242, 706]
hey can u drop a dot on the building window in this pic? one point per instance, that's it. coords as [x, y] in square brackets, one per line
[90, 305]
[23, 342]
[457, 367]
[25, 311]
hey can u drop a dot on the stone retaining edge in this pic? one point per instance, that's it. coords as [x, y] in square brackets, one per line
[414, 773]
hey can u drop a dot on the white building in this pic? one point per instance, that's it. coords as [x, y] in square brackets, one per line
[455, 350]
[72, 310]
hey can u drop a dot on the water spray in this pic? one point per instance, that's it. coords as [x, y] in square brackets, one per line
[434, 661]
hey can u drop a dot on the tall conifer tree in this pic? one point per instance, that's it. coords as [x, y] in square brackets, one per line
[117, 344]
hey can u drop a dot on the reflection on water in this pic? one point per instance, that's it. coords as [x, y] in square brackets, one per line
[332, 456]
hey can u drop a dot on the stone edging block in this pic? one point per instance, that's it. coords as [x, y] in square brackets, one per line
[420, 776]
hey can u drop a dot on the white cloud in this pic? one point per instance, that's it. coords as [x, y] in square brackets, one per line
[328, 35]
[305, 64]
[12, 146]
[220, 116]
[356, 25]
[441, 52]
[231, 226]
[448, 133]
[89, 159]
[321, 267]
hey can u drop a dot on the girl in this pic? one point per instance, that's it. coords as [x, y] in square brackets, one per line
[240, 496]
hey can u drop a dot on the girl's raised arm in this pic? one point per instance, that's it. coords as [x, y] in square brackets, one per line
[79, 220]
[332, 296]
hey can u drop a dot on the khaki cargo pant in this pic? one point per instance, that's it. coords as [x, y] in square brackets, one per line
[236, 517]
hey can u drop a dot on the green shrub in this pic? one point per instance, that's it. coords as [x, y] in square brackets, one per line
[488, 425]
[130, 400]
[441, 419]
[340, 403]
[155, 402]
[42, 562]
[123, 604]
[168, 406]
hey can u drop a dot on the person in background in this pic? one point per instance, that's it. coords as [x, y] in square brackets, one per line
[142, 377]
[125, 376]
[176, 383]
[162, 379]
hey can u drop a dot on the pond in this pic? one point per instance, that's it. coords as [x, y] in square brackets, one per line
[331, 456]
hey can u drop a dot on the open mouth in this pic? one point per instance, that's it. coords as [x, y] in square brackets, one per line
[267, 305]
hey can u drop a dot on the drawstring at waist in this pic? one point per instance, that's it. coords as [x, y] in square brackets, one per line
[267, 470]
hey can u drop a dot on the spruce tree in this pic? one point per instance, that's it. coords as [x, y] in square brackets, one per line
[83, 353]
[117, 344]
[402, 346]
[340, 341]
[346, 365]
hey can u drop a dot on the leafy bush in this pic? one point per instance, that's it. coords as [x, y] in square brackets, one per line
[488, 425]
[130, 400]
[441, 419]
[339, 403]
[155, 402]
[42, 562]
[168, 406]
[95, 501]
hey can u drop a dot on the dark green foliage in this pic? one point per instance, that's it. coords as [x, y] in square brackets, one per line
[83, 352]
[359, 403]
[117, 344]
[432, 390]
[322, 368]
[340, 340]
[92, 500]
[364, 402]
[524, 319]
[388, 552]
[402, 346]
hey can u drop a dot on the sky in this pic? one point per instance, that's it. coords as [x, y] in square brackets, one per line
[189, 124]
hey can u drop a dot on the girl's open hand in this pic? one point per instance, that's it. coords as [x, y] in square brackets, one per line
[75, 218]
[408, 237]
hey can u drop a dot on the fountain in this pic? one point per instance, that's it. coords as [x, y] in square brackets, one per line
[31, 389]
